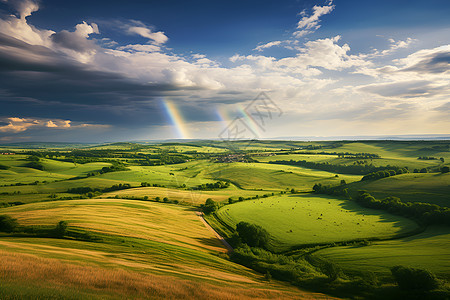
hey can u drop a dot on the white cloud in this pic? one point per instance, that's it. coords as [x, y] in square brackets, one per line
[198, 56]
[395, 45]
[308, 24]
[267, 45]
[24, 7]
[156, 37]
[140, 48]
[84, 29]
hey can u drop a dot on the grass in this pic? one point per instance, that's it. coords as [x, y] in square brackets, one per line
[154, 250]
[409, 162]
[275, 177]
[304, 219]
[413, 187]
[53, 170]
[51, 278]
[128, 218]
[427, 250]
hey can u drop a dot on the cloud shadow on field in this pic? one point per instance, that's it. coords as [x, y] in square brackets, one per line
[210, 242]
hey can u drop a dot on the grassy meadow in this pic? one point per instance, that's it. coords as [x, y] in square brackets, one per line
[426, 250]
[296, 220]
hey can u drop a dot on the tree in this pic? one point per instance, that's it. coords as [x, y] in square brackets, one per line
[61, 229]
[445, 169]
[414, 279]
[268, 276]
[253, 235]
[209, 206]
[423, 170]
[7, 223]
[331, 270]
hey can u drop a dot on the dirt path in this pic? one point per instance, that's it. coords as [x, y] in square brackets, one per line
[225, 243]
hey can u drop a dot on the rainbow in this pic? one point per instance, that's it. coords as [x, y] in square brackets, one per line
[222, 117]
[249, 121]
[226, 119]
[175, 119]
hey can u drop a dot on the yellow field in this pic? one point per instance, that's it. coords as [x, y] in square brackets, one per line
[150, 250]
[64, 278]
[129, 218]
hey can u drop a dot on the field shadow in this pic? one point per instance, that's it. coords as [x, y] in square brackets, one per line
[352, 206]
[215, 242]
[384, 215]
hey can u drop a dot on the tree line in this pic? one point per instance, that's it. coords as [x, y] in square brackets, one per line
[425, 213]
[385, 173]
[355, 169]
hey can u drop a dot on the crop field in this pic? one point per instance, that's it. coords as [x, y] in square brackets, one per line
[295, 220]
[427, 250]
[193, 197]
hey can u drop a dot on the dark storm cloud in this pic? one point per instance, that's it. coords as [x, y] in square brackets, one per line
[40, 82]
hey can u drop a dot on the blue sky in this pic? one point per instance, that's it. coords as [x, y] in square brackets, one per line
[134, 70]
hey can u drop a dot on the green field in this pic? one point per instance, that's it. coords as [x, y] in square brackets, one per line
[304, 219]
[427, 250]
[432, 188]
[275, 177]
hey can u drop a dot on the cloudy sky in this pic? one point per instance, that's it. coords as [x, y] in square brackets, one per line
[101, 71]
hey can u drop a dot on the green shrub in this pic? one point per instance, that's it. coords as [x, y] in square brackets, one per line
[7, 223]
[253, 235]
[209, 206]
[61, 229]
[414, 279]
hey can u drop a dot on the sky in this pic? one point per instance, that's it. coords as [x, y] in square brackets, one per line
[106, 71]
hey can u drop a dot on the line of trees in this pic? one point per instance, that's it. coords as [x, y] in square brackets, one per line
[213, 186]
[87, 189]
[425, 213]
[356, 169]
[427, 158]
[385, 173]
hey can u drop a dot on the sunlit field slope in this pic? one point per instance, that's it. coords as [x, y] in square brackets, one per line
[296, 220]
[413, 187]
[428, 250]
